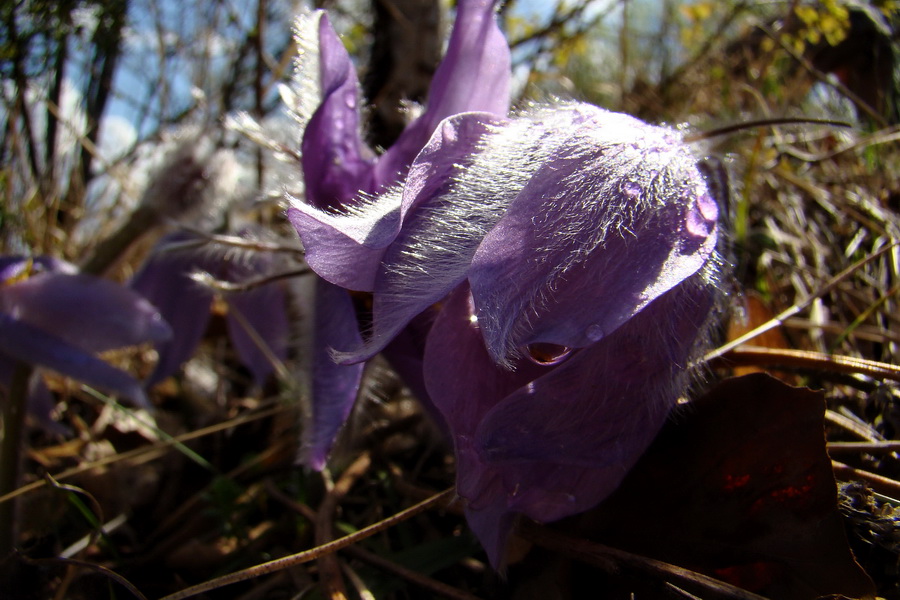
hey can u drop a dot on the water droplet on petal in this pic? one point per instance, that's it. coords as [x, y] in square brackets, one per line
[632, 189]
[595, 333]
[696, 225]
[708, 207]
[543, 353]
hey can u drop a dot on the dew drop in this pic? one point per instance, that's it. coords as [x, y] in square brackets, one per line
[708, 207]
[631, 189]
[595, 333]
[697, 224]
[543, 353]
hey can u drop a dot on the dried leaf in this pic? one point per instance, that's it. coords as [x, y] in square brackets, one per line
[739, 487]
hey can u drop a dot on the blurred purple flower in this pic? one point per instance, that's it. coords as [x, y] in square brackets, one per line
[338, 169]
[53, 317]
[167, 280]
[569, 255]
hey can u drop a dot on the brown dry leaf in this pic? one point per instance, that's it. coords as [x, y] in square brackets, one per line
[754, 313]
[739, 487]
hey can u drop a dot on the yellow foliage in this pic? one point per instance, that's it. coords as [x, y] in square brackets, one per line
[828, 19]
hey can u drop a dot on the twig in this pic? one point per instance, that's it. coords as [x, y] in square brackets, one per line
[824, 78]
[879, 483]
[313, 553]
[870, 447]
[797, 307]
[417, 579]
[362, 589]
[770, 122]
[220, 285]
[612, 560]
[414, 577]
[143, 452]
[329, 567]
[228, 240]
[854, 425]
[807, 359]
[90, 566]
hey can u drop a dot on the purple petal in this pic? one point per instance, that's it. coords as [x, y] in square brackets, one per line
[564, 443]
[344, 249]
[405, 353]
[359, 251]
[24, 342]
[88, 312]
[336, 164]
[40, 401]
[334, 386]
[15, 266]
[443, 222]
[548, 442]
[618, 212]
[165, 281]
[464, 384]
[492, 526]
[473, 76]
[263, 309]
[455, 345]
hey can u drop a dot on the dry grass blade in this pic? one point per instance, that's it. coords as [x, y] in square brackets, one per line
[145, 453]
[613, 560]
[92, 567]
[806, 359]
[329, 566]
[436, 587]
[797, 307]
[879, 483]
[870, 447]
[427, 583]
[314, 553]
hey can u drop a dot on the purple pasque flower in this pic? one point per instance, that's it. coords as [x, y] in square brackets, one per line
[571, 253]
[53, 317]
[339, 170]
[257, 319]
[337, 166]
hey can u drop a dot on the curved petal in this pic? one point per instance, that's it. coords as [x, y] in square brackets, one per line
[25, 342]
[165, 281]
[552, 441]
[40, 401]
[336, 164]
[15, 267]
[359, 250]
[405, 354]
[346, 249]
[618, 212]
[464, 384]
[563, 443]
[334, 386]
[88, 312]
[264, 310]
[474, 75]
[452, 198]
